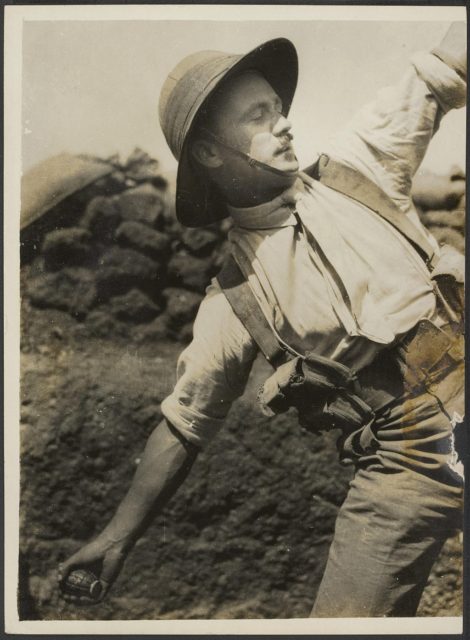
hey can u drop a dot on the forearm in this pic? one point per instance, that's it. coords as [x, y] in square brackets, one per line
[388, 138]
[165, 464]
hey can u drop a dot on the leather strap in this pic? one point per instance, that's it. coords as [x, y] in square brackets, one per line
[243, 302]
[350, 182]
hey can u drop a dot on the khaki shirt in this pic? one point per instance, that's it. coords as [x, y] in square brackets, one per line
[345, 283]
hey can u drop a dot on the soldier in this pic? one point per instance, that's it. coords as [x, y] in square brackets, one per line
[333, 277]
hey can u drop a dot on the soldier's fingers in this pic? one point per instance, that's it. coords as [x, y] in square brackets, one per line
[66, 565]
[105, 588]
[83, 601]
[78, 600]
[82, 556]
[68, 597]
[112, 564]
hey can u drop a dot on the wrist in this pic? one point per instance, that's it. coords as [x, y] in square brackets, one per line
[452, 50]
[116, 540]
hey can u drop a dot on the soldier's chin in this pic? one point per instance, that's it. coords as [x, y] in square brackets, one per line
[288, 163]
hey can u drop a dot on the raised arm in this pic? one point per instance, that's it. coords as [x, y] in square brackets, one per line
[387, 139]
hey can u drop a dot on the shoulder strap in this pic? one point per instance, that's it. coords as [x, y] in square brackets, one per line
[344, 180]
[354, 184]
[243, 302]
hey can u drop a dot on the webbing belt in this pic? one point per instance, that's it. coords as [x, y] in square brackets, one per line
[349, 182]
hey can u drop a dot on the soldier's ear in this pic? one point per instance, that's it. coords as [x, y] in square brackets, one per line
[206, 153]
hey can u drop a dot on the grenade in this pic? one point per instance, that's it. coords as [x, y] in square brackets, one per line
[81, 582]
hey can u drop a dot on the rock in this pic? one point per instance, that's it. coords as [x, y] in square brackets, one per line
[61, 181]
[134, 306]
[113, 183]
[56, 332]
[455, 219]
[153, 331]
[185, 335]
[174, 228]
[191, 272]
[139, 236]
[66, 247]
[102, 218]
[178, 333]
[141, 167]
[137, 156]
[182, 305]
[437, 192]
[159, 183]
[200, 242]
[72, 289]
[446, 235]
[220, 254]
[100, 323]
[225, 225]
[122, 269]
[142, 204]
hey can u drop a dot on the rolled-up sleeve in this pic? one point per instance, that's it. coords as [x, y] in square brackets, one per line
[387, 139]
[211, 372]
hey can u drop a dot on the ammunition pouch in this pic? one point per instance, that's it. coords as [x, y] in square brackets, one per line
[427, 353]
[325, 394]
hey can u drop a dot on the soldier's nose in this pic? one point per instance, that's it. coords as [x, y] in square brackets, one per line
[282, 126]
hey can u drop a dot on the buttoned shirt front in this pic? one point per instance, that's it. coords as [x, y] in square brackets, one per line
[330, 275]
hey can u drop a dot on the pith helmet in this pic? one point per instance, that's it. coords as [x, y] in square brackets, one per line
[188, 88]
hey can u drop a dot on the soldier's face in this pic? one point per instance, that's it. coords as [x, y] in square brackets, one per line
[248, 116]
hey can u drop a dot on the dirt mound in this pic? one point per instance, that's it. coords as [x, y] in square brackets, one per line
[107, 301]
[258, 536]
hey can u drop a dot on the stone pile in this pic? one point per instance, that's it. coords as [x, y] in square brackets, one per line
[120, 263]
[440, 201]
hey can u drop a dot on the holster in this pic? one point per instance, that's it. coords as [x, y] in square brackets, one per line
[326, 394]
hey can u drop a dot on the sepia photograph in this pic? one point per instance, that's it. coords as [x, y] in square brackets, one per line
[234, 277]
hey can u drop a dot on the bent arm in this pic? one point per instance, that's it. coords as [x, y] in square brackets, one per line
[386, 141]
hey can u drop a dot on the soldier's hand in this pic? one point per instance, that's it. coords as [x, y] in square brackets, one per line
[72, 573]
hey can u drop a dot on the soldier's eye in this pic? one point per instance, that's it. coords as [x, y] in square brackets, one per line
[257, 115]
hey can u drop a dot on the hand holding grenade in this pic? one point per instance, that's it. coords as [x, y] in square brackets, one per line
[81, 582]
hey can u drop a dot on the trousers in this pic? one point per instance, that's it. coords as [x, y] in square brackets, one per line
[406, 497]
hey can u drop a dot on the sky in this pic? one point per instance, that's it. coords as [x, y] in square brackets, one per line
[93, 86]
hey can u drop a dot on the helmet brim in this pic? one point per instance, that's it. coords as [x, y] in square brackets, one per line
[198, 202]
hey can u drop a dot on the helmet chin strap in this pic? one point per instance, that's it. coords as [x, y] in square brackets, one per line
[251, 161]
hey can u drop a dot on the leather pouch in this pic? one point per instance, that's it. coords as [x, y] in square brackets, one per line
[428, 353]
[325, 394]
[449, 276]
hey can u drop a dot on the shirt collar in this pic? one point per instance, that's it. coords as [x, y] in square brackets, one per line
[270, 215]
